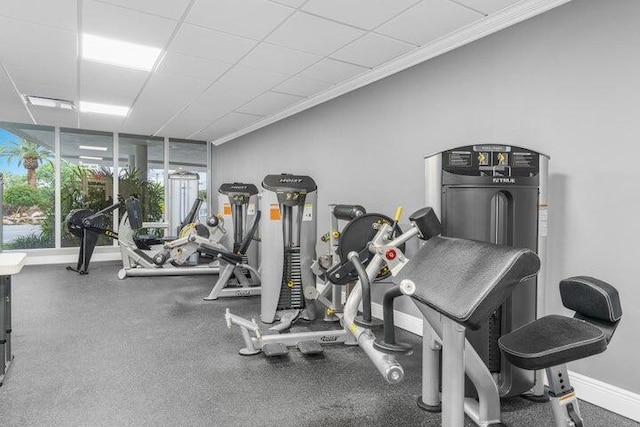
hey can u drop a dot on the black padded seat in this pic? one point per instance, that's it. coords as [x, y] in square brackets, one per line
[467, 280]
[550, 341]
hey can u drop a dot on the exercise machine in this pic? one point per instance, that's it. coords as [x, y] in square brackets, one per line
[289, 293]
[338, 273]
[174, 257]
[496, 193]
[288, 236]
[239, 275]
[445, 282]
[89, 226]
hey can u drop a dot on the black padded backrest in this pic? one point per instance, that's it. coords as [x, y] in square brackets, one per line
[591, 297]
[244, 246]
[192, 216]
[134, 213]
[467, 280]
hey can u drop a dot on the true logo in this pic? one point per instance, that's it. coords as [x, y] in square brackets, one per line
[504, 180]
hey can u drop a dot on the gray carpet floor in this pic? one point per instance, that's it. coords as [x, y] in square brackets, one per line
[96, 351]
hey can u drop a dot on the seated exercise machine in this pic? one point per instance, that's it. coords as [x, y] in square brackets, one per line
[239, 276]
[457, 284]
[88, 226]
[173, 257]
[289, 289]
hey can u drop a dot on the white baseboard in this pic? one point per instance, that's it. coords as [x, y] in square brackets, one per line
[596, 392]
[402, 320]
[69, 256]
[606, 396]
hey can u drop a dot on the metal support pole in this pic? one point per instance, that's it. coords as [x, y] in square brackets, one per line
[430, 399]
[453, 370]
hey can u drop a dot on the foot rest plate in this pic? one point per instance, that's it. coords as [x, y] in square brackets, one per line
[310, 348]
[274, 349]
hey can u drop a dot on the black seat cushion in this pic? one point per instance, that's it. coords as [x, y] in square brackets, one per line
[550, 341]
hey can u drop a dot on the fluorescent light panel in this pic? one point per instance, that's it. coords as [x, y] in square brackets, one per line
[120, 53]
[40, 101]
[90, 158]
[93, 148]
[94, 107]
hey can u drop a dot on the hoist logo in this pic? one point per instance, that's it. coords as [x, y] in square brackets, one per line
[504, 180]
[238, 187]
[328, 339]
[289, 180]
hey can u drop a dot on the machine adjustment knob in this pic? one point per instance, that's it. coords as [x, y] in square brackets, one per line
[390, 254]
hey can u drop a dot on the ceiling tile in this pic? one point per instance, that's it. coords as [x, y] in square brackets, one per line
[429, 21]
[49, 89]
[210, 44]
[237, 87]
[110, 84]
[279, 59]
[15, 35]
[366, 14]
[226, 125]
[35, 61]
[269, 103]
[163, 97]
[105, 20]
[104, 122]
[302, 87]
[372, 50]
[331, 71]
[169, 9]
[55, 117]
[11, 107]
[312, 34]
[26, 68]
[291, 3]
[487, 6]
[59, 13]
[190, 66]
[232, 16]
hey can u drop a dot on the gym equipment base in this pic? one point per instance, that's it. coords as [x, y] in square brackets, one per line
[237, 291]
[167, 271]
[255, 344]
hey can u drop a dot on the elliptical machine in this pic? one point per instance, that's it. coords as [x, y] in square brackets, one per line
[239, 276]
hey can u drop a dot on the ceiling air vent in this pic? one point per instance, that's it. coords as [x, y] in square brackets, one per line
[40, 101]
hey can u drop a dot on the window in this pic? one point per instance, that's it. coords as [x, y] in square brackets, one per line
[26, 161]
[190, 156]
[141, 173]
[35, 209]
[86, 176]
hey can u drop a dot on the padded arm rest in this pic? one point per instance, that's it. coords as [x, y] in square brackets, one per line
[467, 280]
[591, 297]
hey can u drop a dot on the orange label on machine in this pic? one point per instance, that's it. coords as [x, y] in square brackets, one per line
[226, 210]
[274, 212]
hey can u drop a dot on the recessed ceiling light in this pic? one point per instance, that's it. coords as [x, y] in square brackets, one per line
[116, 52]
[94, 107]
[92, 147]
[40, 101]
[90, 158]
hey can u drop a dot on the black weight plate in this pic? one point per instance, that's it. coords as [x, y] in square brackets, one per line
[359, 232]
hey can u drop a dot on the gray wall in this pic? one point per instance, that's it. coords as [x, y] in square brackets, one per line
[566, 83]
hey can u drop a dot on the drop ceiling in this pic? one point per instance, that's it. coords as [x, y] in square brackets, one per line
[228, 66]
